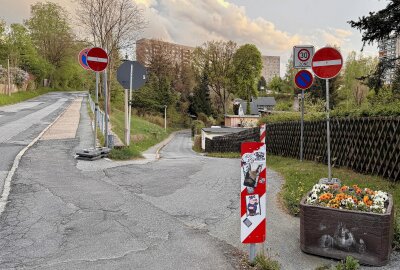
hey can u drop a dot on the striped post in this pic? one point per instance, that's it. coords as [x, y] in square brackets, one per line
[263, 131]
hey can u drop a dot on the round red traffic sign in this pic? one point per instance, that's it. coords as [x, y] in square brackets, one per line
[327, 63]
[97, 59]
[303, 55]
[303, 79]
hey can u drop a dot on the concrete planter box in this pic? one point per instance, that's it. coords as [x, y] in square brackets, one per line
[336, 233]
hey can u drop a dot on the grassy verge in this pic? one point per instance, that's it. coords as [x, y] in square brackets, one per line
[22, 96]
[143, 135]
[301, 176]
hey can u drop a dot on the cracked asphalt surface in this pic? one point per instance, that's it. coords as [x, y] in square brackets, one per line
[59, 217]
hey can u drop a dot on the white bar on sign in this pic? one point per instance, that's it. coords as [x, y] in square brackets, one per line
[97, 59]
[327, 63]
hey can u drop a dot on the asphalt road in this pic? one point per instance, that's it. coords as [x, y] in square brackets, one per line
[22, 122]
[60, 217]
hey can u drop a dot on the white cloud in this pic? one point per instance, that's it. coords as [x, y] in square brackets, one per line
[194, 22]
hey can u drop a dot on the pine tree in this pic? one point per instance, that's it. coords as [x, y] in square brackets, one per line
[201, 99]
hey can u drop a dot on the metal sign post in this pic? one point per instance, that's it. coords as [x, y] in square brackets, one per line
[105, 108]
[131, 75]
[303, 80]
[326, 64]
[96, 109]
[130, 103]
[328, 133]
[302, 126]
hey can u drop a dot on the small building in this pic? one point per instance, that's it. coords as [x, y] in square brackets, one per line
[241, 120]
[211, 133]
[257, 105]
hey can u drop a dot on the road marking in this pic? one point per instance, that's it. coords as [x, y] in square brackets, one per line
[327, 63]
[7, 182]
[20, 107]
[97, 59]
[11, 129]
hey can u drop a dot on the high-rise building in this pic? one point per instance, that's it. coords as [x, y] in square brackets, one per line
[271, 67]
[146, 48]
[390, 49]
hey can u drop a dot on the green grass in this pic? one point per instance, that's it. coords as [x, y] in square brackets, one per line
[143, 135]
[301, 176]
[22, 96]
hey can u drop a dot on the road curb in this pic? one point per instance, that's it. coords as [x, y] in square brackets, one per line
[7, 181]
[164, 143]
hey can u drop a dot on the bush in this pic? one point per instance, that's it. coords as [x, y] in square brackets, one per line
[197, 143]
[284, 105]
[290, 116]
[197, 125]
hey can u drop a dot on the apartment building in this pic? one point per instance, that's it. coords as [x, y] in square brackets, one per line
[271, 67]
[390, 49]
[146, 48]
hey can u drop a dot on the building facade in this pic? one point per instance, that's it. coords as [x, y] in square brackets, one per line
[271, 67]
[146, 49]
[390, 49]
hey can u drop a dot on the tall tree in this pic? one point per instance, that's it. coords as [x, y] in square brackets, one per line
[218, 55]
[50, 31]
[262, 84]
[112, 24]
[247, 70]
[354, 91]
[377, 27]
[201, 97]
[277, 84]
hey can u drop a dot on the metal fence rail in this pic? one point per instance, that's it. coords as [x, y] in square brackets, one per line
[100, 116]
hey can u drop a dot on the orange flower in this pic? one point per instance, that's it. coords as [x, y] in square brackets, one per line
[326, 196]
[344, 188]
[367, 201]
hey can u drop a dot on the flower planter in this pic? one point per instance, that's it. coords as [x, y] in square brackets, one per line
[337, 233]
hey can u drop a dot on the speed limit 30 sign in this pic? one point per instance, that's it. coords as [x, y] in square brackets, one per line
[302, 56]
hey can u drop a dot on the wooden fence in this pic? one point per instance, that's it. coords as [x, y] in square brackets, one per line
[366, 145]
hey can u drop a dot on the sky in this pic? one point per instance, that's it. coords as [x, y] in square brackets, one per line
[274, 26]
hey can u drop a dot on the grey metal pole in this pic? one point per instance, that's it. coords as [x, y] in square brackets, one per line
[130, 105]
[8, 77]
[165, 117]
[328, 134]
[105, 108]
[126, 119]
[252, 253]
[302, 126]
[96, 108]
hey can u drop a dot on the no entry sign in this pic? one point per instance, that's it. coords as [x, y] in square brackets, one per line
[327, 63]
[82, 57]
[97, 59]
[253, 188]
[303, 79]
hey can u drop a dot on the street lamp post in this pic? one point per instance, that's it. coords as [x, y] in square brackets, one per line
[165, 117]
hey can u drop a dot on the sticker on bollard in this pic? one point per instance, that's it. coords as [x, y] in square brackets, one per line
[253, 189]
